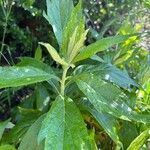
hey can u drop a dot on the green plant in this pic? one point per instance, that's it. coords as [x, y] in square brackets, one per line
[83, 87]
[6, 9]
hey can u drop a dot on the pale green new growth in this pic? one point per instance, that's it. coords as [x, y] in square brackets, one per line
[54, 54]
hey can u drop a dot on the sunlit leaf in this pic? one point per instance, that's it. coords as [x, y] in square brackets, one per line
[106, 97]
[108, 72]
[62, 132]
[74, 33]
[20, 76]
[100, 45]
[139, 141]
[54, 54]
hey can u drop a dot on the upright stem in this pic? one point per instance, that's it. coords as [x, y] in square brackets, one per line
[4, 33]
[65, 69]
[6, 13]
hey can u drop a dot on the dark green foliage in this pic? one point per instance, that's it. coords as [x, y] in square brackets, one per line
[82, 95]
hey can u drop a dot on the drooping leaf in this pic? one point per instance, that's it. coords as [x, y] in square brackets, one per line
[60, 131]
[106, 97]
[20, 76]
[2, 127]
[54, 54]
[108, 72]
[29, 140]
[58, 13]
[7, 147]
[139, 141]
[100, 45]
[107, 121]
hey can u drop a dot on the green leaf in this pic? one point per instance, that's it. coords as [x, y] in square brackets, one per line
[42, 97]
[100, 45]
[38, 53]
[106, 97]
[27, 3]
[29, 141]
[108, 72]
[127, 132]
[2, 127]
[54, 54]
[104, 28]
[28, 61]
[107, 121]
[20, 76]
[74, 34]
[63, 128]
[26, 118]
[7, 147]
[144, 73]
[139, 141]
[58, 13]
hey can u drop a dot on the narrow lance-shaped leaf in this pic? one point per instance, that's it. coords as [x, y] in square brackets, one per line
[106, 97]
[78, 46]
[20, 76]
[100, 45]
[60, 131]
[54, 54]
[139, 141]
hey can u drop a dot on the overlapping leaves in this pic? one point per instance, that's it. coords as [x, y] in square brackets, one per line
[107, 121]
[106, 97]
[108, 72]
[31, 137]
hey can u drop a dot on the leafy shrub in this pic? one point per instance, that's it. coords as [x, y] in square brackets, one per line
[86, 93]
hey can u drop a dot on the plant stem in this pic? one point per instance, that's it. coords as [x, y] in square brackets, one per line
[7, 14]
[4, 33]
[62, 90]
